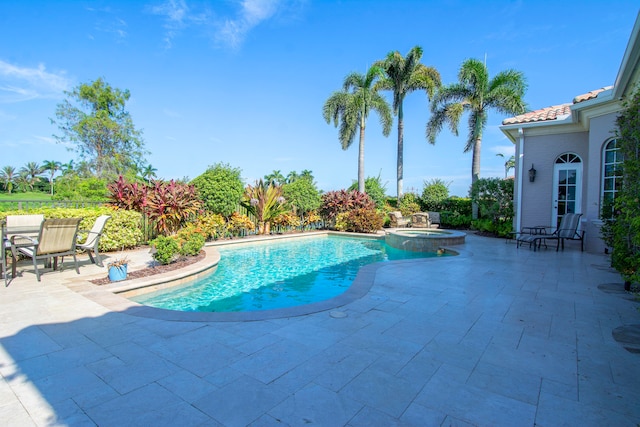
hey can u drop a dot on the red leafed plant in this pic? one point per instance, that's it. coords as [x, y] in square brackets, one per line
[336, 202]
[131, 196]
[170, 204]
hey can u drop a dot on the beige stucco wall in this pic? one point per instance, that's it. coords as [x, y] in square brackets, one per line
[542, 151]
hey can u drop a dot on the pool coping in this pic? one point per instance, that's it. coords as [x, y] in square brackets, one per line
[112, 297]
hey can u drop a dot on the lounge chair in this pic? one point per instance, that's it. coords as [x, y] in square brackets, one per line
[568, 230]
[57, 238]
[90, 245]
[397, 220]
[420, 219]
[434, 219]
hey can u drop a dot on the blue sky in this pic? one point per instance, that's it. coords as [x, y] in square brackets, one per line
[244, 82]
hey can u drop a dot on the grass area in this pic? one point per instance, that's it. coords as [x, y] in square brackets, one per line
[30, 195]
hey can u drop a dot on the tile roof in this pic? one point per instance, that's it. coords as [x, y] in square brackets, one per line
[555, 111]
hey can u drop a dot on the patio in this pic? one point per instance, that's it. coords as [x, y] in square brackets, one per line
[498, 336]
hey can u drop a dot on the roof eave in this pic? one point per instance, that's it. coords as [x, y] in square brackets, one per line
[629, 64]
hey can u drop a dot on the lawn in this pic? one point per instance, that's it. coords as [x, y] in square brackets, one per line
[10, 201]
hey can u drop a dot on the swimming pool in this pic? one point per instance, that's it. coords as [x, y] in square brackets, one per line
[278, 274]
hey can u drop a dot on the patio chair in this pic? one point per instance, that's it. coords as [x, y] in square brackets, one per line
[57, 237]
[5, 245]
[397, 220]
[90, 245]
[420, 219]
[434, 219]
[28, 225]
[568, 230]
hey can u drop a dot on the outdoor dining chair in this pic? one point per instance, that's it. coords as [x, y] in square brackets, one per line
[57, 238]
[90, 245]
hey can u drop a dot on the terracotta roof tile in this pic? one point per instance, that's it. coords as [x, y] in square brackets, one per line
[590, 95]
[541, 115]
[553, 112]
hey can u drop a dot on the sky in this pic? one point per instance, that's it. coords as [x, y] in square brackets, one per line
[243, 82]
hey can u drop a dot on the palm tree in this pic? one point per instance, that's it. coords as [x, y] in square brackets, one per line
[31, 171]
[475, 93]
[8, 176]
[405, 75]
[67, 168]
[509, 164]
[275, 178]
[52, 167]
[148, 173]
[351, 106]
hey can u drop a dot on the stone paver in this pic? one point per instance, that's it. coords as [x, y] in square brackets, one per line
[497, 336]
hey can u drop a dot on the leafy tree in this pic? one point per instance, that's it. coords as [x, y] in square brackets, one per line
[302, 195]
[374, 189]
[29, 174]
[476, 94]
[100, 128]
[221, 188]
[405, 75]
[22, 180]
[350, 108]
[52, 167]
[72, 187]
[67, 168]
[434, 193]
[8, 176]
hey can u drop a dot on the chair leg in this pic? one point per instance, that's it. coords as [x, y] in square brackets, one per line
[98, 260]
[75, 260]
[35, 267]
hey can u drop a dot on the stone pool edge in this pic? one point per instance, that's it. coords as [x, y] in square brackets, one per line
[110, 296]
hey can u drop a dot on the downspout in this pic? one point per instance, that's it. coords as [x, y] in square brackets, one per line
[519, 180]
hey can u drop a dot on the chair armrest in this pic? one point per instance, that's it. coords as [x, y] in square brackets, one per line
[23, 240]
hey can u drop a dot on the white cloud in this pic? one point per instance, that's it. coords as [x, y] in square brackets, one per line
[177, 17]
[23, 84]
[252, 12]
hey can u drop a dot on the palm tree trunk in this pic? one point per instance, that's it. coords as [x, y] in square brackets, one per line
[361, 158]
[400, 150]
[475, 172]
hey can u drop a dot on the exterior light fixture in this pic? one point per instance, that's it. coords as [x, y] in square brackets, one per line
[532, 173]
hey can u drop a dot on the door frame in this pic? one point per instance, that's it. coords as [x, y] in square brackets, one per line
[559, 165]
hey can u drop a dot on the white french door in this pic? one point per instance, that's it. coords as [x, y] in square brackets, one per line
[567, 187]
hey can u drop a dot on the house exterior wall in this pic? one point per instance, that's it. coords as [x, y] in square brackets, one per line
[542, 151]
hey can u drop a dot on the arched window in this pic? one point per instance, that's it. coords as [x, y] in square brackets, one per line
[611, 175]
[568, 158]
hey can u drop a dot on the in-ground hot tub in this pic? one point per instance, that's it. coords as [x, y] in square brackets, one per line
[424, 240]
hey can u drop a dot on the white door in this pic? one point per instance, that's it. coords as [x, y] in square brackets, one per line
[567, 187]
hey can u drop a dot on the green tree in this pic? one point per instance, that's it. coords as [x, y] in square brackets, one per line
[8, 176]
[302, 195]
[67, 168]
[94, 119]
[350, 108]
[221, 188]
[434, 193]
[30, 173]
[476, 94]
[52, 167]
[402, 76]
[22, 180]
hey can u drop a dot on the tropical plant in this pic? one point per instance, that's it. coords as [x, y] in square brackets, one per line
[22, 180]
[239, 224]
[212, 225]
[476, 94]
[94, 119]
[266, 202]
[275, 178]
[375, 189]
[148, 173]
[494, 198]
[350, 108]
[302, 195]
[52, 167]
[30, 173]
[170, 204]
[509, 164]
[166, 248]
[409, 204]
[220, 188]
[128, 195]
[336, 202]
[8, 176]
[402, 76]
[360, 220]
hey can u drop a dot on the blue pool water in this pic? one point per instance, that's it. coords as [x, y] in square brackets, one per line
[278, 274]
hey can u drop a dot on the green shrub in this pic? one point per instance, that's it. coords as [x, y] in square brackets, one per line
[211, 225]
[374, 188]
[460, 205]
[449, 219]
[302, 195]
[121, 231]
[193, 245]
[435, 192]
[409, 204]
[221, 188]
[166, 248]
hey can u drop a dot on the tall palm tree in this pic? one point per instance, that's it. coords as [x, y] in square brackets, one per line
[31, 171]
[8, 176]
[509, 164]
[52, 167]
[67, 168]
[351, 106]
[275, 178]
[148, 173]
[405, 75]
[476, 94]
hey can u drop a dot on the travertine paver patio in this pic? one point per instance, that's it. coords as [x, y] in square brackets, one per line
[495, 337]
